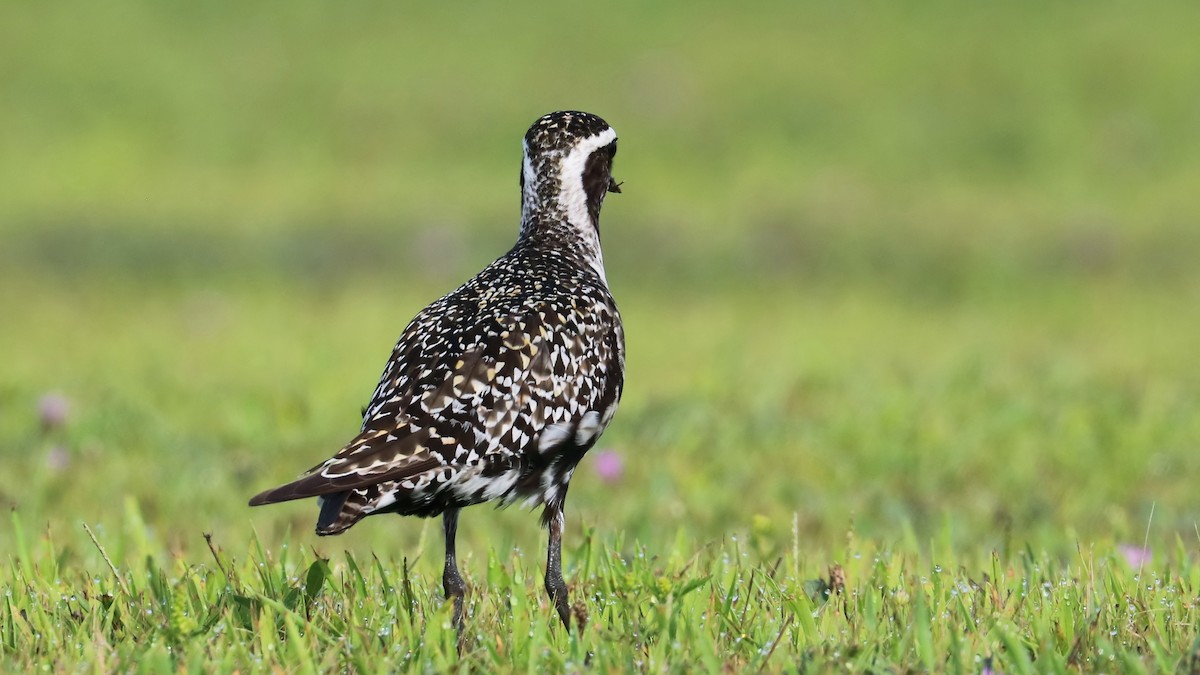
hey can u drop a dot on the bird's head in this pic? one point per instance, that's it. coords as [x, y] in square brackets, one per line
[567, 168]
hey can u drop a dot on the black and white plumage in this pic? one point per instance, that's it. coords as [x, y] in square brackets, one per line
[496, 391]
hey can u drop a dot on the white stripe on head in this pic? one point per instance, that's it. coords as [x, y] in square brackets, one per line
[573, 197]
[571, 204]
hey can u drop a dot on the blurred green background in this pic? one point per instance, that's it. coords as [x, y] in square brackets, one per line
[911, 268]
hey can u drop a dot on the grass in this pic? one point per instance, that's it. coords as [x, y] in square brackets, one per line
[689, 606]
[910, 300]
[983, 486]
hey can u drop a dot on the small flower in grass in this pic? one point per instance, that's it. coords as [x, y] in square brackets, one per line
[1136, 556]
[609, 465]
[53, 409]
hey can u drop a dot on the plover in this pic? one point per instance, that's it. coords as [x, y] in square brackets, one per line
[497, 390]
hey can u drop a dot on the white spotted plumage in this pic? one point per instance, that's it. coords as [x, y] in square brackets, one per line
[496, 390]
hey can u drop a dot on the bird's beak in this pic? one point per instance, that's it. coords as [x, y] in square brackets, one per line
[613, 185]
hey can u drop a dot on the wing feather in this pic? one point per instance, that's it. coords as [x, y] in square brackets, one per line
[479, 398]
[358, 465]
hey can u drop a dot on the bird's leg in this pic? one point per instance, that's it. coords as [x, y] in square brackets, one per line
[452, 581]
[555, 586]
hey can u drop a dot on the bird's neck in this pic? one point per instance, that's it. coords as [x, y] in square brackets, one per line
[561, 237]
[561, 222]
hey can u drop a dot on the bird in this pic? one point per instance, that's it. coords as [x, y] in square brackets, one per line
[497, 390]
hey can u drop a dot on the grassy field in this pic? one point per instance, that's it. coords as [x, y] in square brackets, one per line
[910, 293]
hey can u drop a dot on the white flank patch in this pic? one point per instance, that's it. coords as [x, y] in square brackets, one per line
[490, 486]
[553, 436]
[589, 426]
[550, 483]
[385, 500]
[608, 415]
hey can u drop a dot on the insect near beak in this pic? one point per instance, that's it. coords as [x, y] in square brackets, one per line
[613, 185]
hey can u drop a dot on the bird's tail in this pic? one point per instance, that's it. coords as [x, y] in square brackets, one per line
[338, 510]
[338, 513]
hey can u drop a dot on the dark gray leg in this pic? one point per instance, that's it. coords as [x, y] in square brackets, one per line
[452, 582]
[555, 586]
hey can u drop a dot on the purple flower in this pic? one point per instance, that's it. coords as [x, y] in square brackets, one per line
[1136, 556]
[53, 409]
[609, 465]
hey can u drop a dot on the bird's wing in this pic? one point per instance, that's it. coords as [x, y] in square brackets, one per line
[380, 457]
[485, 402]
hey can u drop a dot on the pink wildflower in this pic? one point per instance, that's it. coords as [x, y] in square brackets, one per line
[609, 465]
